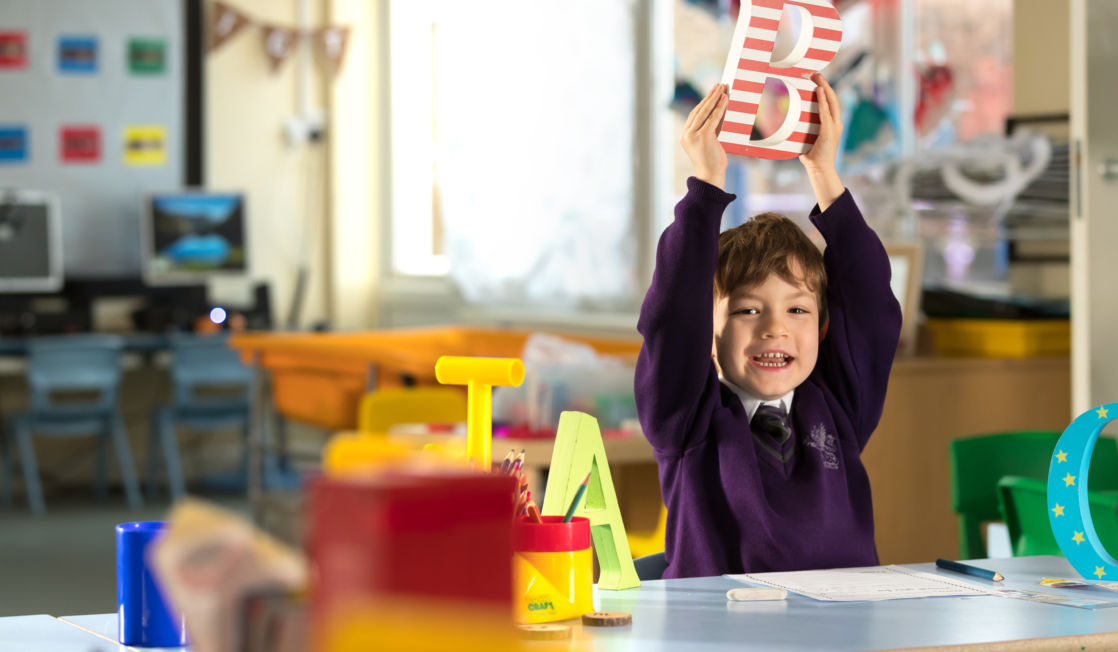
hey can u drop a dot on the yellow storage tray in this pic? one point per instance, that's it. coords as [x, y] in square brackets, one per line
[1001, 338]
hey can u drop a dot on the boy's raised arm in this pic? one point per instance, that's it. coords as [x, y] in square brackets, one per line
[676, 320]
[700, 137]
[820, 161]
[857, 353]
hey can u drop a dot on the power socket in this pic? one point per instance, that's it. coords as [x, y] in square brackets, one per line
[301, 129]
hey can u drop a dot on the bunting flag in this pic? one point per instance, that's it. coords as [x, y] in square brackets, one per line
[332, 42]
[225, 22]
[279, 42]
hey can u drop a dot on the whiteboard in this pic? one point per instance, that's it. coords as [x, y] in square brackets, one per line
[100, 200]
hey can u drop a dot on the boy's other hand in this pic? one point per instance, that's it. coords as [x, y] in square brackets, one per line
[820, 161]
[823, 154]
[700, 137]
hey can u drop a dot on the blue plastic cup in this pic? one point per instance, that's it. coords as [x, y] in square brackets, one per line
[145, 616]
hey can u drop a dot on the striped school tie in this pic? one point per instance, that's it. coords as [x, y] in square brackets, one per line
[770, 428]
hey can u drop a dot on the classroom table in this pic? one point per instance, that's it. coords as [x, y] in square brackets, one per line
[107, 626]
[86, 633]
[319, 378]
[147, 343]
[693, 614]
[623, 447]
[43, 633]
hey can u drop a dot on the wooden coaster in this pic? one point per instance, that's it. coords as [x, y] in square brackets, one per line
[545, 632]
[607, 619]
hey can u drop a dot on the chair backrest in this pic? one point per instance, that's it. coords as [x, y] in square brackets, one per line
[207, 361]
[73, 363]
[383, 408]
[1024, 506]
[978, 463]
[650, 567]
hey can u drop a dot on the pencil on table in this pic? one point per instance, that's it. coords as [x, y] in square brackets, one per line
[967, 569]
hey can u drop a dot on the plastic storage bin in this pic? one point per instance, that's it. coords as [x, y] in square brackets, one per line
[1001, 338]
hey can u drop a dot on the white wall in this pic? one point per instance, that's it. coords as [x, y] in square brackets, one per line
[358, 180]
[1094, 298]
[1040, 56]
[245, 107]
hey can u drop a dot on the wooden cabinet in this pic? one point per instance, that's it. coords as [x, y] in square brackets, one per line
[930, 402]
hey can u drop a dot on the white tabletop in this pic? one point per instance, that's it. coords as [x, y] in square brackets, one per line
[43, 633]
[106, 625]
[694, 614]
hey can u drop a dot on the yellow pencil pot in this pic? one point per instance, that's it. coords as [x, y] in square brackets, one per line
[553, 572]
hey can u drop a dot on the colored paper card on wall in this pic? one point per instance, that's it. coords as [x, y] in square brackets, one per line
[77, 54]
[145, 145]
[13, 50]
[79, 144]
[14, 144]
[147, 56]
[751, 62]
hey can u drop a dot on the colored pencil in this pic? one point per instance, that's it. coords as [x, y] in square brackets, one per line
[967, 569]
[577, 499]
[507, 464]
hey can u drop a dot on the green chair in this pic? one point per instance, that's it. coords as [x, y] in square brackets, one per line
[978, 463]
[1024, 506]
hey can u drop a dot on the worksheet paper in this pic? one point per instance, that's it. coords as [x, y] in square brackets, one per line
[897, 582]
[870, 583]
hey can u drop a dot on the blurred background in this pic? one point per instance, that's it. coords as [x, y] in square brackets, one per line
[339, 191]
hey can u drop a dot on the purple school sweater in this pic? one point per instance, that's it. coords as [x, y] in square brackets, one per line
[733, 508]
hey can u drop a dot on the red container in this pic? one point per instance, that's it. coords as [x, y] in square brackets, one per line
[446, 536]
[552, 535]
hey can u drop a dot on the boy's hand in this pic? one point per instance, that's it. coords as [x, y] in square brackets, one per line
[823, 153]
[700, 137]
[820, 161]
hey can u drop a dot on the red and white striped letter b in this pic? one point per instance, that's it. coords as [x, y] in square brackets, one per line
[751, 62]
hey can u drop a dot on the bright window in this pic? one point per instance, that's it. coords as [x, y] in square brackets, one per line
[516, 162]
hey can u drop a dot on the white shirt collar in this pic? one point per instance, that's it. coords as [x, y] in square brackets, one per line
[751, 403]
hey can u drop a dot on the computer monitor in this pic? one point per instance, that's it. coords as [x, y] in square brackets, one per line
[30, 241]
[192, 234]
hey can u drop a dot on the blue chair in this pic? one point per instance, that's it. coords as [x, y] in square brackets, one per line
[74, 364]
[650, 567]
[211, 389]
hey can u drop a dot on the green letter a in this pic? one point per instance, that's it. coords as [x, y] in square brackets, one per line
[578, 451]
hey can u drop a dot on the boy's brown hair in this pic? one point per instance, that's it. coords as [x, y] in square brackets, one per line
[769, 244]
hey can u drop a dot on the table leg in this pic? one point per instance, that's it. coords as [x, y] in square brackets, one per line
[257, 438]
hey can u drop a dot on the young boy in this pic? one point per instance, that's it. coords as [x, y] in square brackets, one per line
[795, 332]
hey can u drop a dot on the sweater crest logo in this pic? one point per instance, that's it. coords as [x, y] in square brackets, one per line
[826, 444]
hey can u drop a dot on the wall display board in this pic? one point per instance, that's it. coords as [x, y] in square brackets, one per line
[94, 113]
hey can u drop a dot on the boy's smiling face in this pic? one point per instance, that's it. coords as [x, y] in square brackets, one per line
[766, 337]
